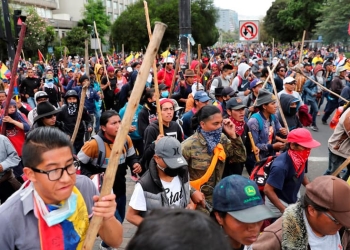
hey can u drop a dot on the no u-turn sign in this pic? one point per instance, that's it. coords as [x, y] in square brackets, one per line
[249, 30]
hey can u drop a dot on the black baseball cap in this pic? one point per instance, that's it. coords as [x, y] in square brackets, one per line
[235, 103]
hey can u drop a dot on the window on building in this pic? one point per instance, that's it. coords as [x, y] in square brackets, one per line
[115, 5]
[110, 14]
[109, 3]
[115, 16]
[120, 8]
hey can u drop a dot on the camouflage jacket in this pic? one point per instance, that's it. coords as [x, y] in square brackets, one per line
[195, 151]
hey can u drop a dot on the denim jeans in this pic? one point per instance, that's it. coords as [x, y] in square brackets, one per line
[330, 107]
[313, 110]
[333, 163]
[119, 213]
[31, 102]
[97, 122]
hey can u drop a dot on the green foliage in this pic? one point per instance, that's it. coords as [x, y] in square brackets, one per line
[334, 19]
[130, 28]
[287, 19]
[75, 40]
[229, 37]
[95, 11]
[39, 33]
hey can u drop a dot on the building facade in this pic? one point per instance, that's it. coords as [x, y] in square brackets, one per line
[228, 20]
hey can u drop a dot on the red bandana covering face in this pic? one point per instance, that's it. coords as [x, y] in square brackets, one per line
[299, 159]
[239, 126]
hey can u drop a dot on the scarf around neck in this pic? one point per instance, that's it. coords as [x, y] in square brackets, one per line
[212, 138]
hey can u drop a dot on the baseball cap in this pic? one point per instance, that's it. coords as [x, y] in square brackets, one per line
[228, 91]
[240, 198]
[288, 80]
[169, 149]
[307, 64]
[41, 94]
[254, 83]
[333, 194]
[235, 103]
[303, 137]
[201, 96]
[162, 86]
[342, 68]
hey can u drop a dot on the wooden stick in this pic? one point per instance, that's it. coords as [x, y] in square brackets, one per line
[155, 78]
[199, 52]
[302, 48]
[206, 67]
[177, 66]
[65, 63]
[87, 69]
[103, 60]
[80, 113]
[341, 167]
[253, 146]
[123, 131]
[22, 35]
[188, 52]
[298, 70]
[278, 100]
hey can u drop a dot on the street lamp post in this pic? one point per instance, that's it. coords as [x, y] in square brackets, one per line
[58, 30]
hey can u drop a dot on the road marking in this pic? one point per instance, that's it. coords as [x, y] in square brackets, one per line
[319, 159]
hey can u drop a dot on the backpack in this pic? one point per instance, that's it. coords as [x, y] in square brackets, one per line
[261, 171]
[260, 120]
[102, 150]
[209, 82]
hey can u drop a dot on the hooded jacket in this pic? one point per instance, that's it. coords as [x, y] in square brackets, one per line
[292, 119]
[98, 76]
[240, 83]
[145, 117]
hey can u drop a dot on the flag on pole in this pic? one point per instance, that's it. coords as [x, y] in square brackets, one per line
[137, 55]
[5, 73]
[129, 58]
[41, 56]
[165, 54]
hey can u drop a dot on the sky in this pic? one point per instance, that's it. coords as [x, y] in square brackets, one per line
[246, 9]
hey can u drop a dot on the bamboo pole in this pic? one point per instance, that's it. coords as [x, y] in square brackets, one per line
[13, 79]
[160, 119]
[302, 48]
[278, 100]
[123, 131]
[253, 146]
[188, 52]
[103, 60]
[177, 66]
[298, 70]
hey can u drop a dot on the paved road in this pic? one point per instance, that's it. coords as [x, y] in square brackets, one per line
[318, 163]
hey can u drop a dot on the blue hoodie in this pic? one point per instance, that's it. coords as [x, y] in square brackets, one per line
[134, 135]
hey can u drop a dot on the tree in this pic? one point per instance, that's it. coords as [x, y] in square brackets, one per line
[95, 11]
[130, 28]
[333, 21]
[300, 15]
[75, 40]
[39, 33]
[275, 27]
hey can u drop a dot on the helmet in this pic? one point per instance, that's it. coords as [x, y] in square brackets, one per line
[71, 93]
[40, 94]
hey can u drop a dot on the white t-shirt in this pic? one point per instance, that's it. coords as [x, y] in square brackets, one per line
[172, 189]
[322, 243]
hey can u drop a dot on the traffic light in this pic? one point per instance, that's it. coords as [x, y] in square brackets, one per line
[18, 19]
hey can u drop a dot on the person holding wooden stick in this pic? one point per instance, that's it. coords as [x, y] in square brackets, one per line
[56, 203]
[264, 126]
[152, 132]
[109, 87]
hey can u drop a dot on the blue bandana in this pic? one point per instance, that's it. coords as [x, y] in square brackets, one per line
[212, 138]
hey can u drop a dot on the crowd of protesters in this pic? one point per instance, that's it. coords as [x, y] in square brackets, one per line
[235, 149]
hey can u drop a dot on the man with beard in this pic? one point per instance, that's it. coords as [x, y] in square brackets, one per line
[68, 116]
[337, 86]
[311, 92]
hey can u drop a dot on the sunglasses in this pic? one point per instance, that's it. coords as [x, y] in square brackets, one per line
[292, 83]
[49, 116]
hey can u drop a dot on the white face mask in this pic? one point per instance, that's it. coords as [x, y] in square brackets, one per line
[319, 73]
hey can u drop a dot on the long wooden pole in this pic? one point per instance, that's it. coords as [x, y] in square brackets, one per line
[189, 52]
[117, 148]
[155, 78]
[302, 48]
[177, 66]
[22, 35]
[298, 70]
[103, 60]
[257, 158]
[80, 113]
[278, 100]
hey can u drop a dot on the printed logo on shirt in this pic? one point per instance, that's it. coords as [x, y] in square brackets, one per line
[11, 132]
[172, 134]
[173, 197]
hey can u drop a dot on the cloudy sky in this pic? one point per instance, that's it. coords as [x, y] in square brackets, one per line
[246, 9]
